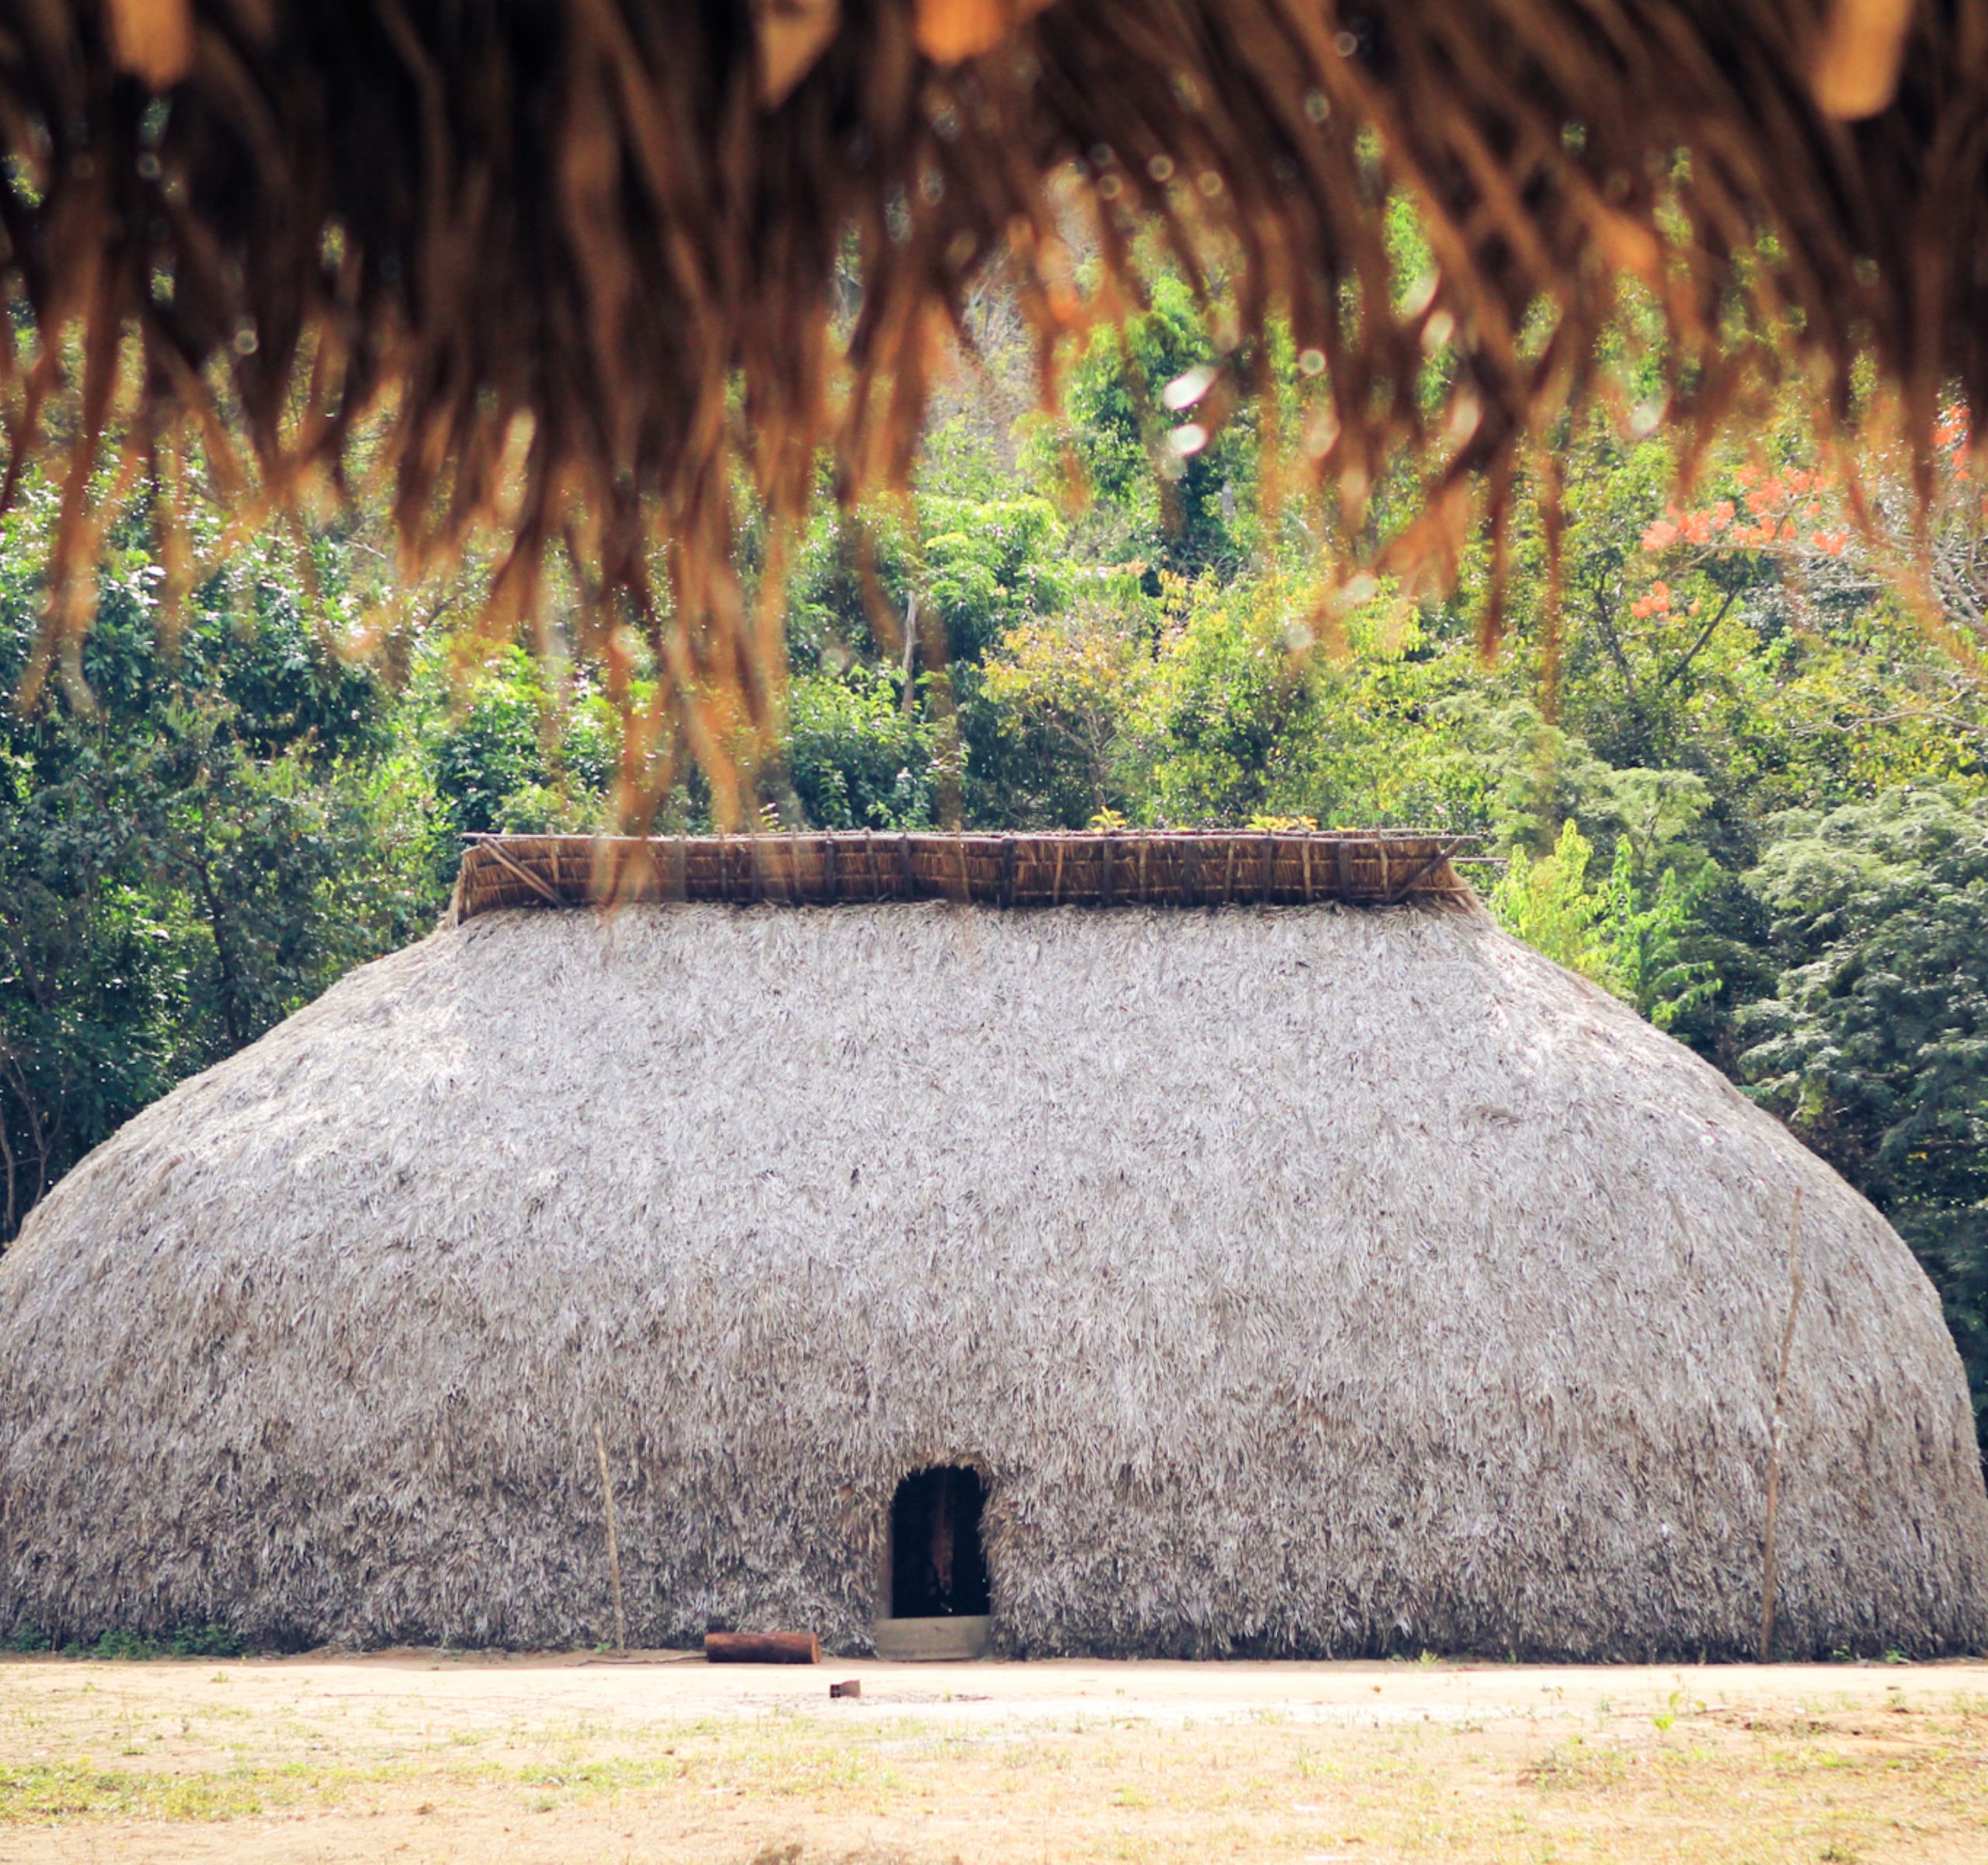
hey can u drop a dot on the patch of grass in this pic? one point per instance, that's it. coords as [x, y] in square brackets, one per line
[616, 1774]
[1746, 1784]
[25, 1642]
[75, 1789]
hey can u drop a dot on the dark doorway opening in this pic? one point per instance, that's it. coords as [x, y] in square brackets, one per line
[938, 1570]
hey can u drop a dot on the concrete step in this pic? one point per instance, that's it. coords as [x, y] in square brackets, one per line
[931, 1640]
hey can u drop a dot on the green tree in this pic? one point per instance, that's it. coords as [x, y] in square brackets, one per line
[1056, 703]
[507, 754]
[1547, 902]
[193, 842]
[1172, 485]
[855, 757]
[1875, 1049]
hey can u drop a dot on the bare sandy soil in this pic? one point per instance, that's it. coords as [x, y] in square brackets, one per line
[419, 1755]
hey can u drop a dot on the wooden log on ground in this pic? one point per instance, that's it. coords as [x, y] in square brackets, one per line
[761, 1647]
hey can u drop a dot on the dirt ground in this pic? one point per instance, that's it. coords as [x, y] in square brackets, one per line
[413, 1756]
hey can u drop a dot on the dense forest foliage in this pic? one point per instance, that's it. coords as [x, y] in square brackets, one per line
[1724, 768]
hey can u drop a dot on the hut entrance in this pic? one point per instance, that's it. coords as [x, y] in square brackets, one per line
[937, 1568]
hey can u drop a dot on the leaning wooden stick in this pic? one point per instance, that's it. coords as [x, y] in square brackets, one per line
[614, 1548]
[1774, 1435]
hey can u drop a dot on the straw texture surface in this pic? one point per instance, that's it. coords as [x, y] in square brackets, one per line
[1303, 1281]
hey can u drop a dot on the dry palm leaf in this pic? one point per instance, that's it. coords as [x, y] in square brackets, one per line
[606, 233]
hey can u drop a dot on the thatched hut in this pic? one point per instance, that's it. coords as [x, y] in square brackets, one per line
[1321, 1273]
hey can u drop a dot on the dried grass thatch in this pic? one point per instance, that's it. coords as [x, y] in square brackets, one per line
[607, 230]
[1303, 1281]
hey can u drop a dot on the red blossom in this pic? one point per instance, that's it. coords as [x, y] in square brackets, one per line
[1656, 602]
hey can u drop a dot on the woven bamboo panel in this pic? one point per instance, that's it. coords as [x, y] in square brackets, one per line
[1094, 869]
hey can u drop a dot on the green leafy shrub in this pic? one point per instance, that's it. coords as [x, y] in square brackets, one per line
[855, 758]
[188, 1641]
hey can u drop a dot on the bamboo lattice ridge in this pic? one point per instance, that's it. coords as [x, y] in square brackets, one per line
[1096, 868]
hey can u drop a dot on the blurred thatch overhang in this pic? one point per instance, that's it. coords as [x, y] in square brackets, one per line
[585, 250]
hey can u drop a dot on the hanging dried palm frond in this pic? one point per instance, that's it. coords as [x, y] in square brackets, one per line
[583, 250]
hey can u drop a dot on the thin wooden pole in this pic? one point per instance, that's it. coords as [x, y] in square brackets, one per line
[1774, 1438]
[614, 1546]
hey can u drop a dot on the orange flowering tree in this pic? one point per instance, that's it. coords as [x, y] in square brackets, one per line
[1916, 529]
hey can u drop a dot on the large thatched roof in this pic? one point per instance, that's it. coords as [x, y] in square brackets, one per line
[1301, 1280]
[608, 230]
